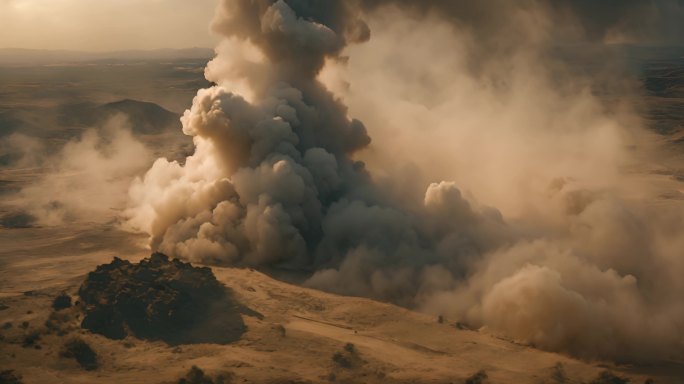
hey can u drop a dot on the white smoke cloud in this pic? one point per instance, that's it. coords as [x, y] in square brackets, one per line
[507, 195]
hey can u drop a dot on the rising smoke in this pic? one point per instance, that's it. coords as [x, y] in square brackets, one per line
[86, 180]
[498, 189]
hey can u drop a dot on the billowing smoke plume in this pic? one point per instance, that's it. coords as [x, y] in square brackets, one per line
[86, 180]
[574, 258]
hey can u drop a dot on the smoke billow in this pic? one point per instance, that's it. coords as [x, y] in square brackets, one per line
[499, 188]
[86, 180]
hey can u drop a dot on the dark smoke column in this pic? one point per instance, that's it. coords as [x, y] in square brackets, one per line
[272, 180]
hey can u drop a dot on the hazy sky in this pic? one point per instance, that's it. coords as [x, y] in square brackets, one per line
[106, 24]
[149, 24]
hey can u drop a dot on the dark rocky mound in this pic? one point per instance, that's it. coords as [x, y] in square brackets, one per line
[159, 299]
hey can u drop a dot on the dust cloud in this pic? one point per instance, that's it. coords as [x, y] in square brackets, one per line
[490, 181]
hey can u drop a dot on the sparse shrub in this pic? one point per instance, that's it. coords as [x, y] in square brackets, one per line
[197, 376]
[224, 378]
[607, 377]
[10, 377]
[348, 357]
[349, 347]
[63, 301]
[80, 350]
[7, 325]
[649, 381]
[58, 322]
[558, 374]
[24, 324]
[440, 319]
[30, 339]
[341, 360]
[478, 378]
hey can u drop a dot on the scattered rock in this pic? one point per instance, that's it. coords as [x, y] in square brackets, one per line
[159, 299]
[63, 301]
[80, 350]
[280, 329]
[463, 326]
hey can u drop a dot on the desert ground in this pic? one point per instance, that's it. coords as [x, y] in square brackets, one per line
[292, 335]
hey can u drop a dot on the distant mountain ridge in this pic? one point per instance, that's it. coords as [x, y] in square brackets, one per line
[18, 56]
[144, 117]
[65, 122]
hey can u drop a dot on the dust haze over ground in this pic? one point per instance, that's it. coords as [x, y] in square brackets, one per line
[486, 178]
[64, 118]
[81, 125]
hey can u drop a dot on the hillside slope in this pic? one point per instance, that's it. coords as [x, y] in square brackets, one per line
[294, 335]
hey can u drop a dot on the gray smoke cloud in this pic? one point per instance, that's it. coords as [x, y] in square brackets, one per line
[506, 197]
